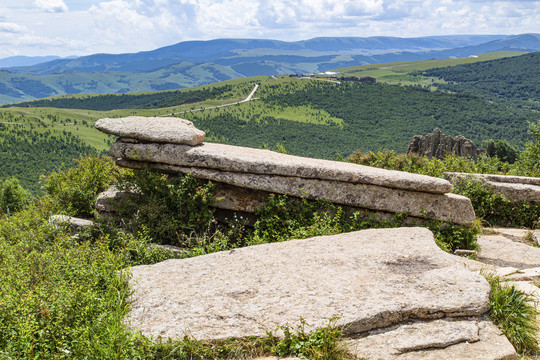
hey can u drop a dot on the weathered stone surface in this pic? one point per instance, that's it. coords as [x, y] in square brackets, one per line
[109, 200]
[256, 161]
[438, 339]
[157, 129]
[501, 251]
[446, 207]
[239, 199]
[514, 188]
[73, 222]
[369, 279]
[439, 145]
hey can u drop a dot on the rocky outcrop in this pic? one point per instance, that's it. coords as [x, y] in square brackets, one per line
[439, 145]
[157, 129]
[381, 284]
[234, 168]
[514, 188]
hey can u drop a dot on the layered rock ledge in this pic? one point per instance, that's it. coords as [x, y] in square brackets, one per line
[514, 188]
[263, 170]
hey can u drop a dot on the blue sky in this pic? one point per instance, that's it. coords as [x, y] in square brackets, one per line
[81, 27]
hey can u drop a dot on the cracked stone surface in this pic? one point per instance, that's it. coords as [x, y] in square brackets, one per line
[369, 279]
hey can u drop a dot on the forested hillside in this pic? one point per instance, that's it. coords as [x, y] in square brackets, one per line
[342, 118]
[26, 153]
[514, 80]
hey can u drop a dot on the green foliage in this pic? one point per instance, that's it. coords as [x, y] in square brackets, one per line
[75, 191]
[529, 159]
[500, 149]
[494, 208]
[388, 159]
[322, 344]
[170, 209]
[59, 298]
[515, 314]
[13, 197]
[284, 218]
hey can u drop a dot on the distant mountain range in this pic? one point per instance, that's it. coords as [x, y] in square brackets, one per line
[194, 63]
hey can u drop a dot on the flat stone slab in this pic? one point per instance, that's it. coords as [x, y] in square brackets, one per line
[369, 279]
[156, 129]
[501, 251]
[439, 339]
[256, 161]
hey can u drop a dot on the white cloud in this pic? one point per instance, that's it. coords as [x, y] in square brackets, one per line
[66, 27]
[52, 6]
[11, 27]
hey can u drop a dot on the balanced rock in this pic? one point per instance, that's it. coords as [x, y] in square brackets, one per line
[439, 145]
[156, 129]
[368, 279]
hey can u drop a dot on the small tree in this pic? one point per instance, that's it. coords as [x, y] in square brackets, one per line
[13, 197]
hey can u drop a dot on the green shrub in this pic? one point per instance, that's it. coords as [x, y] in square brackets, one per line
[13, 197]
[171, 210]
[515, 314]
[75, 191]
[529, 159]
[59, 298]
[322, 344]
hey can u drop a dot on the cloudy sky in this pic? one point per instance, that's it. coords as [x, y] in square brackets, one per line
[81, 27]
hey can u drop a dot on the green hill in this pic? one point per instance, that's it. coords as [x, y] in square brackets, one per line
[513, 80]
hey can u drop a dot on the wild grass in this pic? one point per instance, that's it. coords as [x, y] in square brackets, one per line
[515, 313]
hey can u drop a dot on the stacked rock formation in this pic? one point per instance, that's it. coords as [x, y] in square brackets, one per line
[514, 188]
[393, 291]
[245, 176]
[439, 145]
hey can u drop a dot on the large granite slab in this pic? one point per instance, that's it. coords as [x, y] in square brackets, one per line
[369, 279]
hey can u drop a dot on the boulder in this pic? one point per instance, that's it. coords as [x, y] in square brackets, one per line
[368, 279]
[156, 129]
[439, 145]
[256, 161]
